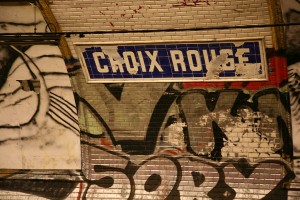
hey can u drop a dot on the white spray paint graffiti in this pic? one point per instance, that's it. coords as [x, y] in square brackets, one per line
[244, 134]
[291, 14]
[175, 135]
[37, 107]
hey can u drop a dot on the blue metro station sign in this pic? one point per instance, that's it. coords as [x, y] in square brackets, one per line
[174, 61]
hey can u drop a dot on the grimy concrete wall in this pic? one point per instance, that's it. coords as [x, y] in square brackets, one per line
[171, 140]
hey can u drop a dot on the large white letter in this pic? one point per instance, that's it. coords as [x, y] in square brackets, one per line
[116, 64]
[198, 66]
[179, 60]
[206, 57]
[100, 69]
[240, 53]
[142, 62]
[154, 62]
[230, 60]
[134, 69]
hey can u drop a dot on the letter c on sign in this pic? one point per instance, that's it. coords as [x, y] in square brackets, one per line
[96, 56]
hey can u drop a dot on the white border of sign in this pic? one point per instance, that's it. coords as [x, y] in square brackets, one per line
[79, 45]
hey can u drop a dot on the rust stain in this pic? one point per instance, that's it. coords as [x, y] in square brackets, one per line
[106, 143]
[191, 3]
[4, 27]
[131, 12]
[137, 10]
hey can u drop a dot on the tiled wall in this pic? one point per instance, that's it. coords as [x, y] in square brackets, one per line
[80, 15]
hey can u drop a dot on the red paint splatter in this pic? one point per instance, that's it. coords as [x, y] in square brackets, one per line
[4, 27]
[80, 191]
[106, 143]
[172, 151]
[191, 3]
[137, 10]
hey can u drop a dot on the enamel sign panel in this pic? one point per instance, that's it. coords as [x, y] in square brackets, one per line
[174, 62]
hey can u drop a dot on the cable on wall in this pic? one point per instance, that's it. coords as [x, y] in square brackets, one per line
[81, 33]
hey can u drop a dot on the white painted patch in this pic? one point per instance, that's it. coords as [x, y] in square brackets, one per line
[214, 68]
[175, 135]
[38, 131]
[116, 59]
[245, 134]
[249, 70]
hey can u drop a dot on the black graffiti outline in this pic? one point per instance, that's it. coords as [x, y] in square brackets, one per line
[218, 190]
[279, 189]
[78, 99]
[22, 56]
[20, 52]
[147, 146]
[67, 113]
[157, 117]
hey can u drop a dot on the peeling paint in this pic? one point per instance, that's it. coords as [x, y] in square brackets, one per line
[112, 53]
[117, 61]
[249, 70]
[245, 133]
[174, 136]
[215, 66]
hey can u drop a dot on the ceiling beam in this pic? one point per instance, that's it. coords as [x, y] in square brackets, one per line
[53, 25]
[18, 1]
